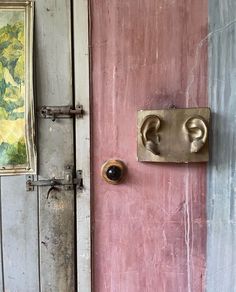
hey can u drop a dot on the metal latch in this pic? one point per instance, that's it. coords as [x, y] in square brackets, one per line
[61, 112]
[68, 182]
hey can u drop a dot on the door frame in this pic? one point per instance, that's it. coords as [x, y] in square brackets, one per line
[82, 144]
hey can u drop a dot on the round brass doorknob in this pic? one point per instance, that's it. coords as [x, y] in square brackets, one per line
[113, 171]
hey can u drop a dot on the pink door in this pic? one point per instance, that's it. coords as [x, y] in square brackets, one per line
[150, 232]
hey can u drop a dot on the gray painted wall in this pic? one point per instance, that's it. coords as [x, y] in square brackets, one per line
[221, 200]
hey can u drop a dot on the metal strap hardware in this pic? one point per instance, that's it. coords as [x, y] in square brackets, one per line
[68, 182]
[61, 112]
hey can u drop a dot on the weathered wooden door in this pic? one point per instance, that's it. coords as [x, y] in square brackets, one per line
[39, 233]
[168, 227]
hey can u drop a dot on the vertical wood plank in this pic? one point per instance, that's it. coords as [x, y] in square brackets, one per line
[221, 259]
[54, 87]
[1, 246]
[81, 78]
[149, 232]
[20, 210]
[20, 235]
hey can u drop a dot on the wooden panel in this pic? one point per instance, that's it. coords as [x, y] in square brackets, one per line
[20, 236]
[38, 234]
[221, 259]
[1, 247]
[81, 66]
[149, 232]
[19, 232]
[54, 87]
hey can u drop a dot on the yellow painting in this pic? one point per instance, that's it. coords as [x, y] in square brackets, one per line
[14, 103]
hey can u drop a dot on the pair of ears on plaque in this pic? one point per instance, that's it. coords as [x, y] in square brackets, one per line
[195, 127]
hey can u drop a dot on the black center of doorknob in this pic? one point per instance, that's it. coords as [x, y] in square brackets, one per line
[114, 173]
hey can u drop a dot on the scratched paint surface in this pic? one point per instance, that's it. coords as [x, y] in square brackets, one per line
[149, 232]
[221, 203]
[38, 232]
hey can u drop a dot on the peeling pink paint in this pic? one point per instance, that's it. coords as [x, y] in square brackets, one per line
[149, 232]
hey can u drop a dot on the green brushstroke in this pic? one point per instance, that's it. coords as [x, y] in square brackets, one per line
[12, 82]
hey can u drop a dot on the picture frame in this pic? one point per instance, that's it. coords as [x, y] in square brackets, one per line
[17, 117]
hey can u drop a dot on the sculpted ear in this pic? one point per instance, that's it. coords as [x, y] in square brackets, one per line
[197, 131]
[149, 133]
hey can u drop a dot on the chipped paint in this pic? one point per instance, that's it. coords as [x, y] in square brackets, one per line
[150, 231]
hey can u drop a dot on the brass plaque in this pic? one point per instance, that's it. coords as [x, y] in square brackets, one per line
[173, 135]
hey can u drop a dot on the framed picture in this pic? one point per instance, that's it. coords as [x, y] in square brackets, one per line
[17, 118]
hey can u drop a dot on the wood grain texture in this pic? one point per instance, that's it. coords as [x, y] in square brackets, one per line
[221, 255]
[1, 247]
[149, 232]
[82, 92]
[38, 234]
[54, 87]
[19, 236]
[19, 233]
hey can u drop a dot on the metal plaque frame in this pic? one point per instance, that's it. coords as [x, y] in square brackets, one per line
[173, 135]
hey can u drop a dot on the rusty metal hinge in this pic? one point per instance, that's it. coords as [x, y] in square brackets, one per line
[68, 182]
[61, 112]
